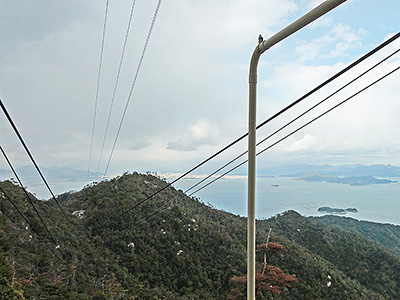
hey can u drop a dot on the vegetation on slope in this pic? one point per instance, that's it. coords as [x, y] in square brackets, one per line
[358, 258]
[174, 247]
[387, 235]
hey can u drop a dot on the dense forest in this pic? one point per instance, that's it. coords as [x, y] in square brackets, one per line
[102, 246]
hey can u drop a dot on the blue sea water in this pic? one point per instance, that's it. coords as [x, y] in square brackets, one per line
[377, 203]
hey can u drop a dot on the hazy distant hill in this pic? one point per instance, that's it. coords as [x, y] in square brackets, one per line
[52, 174]
[67, 173]
[176, 247]
[352, 180]
[341, 170]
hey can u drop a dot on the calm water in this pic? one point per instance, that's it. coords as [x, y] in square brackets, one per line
[378, 203]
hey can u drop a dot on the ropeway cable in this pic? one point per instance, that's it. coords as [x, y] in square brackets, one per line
[27, 221]
[32, 159]
[27, 195]
[133, 83]
[41, 175]
[298, 129]
[295, 119]
[364, 57]
[98, 87]
[116, 85]
[277, 142]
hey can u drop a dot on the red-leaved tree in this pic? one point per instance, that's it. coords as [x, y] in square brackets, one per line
[269, 281]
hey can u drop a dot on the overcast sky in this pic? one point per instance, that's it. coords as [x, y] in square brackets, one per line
[191, 95]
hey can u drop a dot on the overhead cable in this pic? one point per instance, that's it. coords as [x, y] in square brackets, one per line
[156, 213]
[27, 221]
[97, 87]
[32, 159]
[295, 119]
[133, 84]
[27, 195]
[116, 85]
[355, 63]
[298, 129]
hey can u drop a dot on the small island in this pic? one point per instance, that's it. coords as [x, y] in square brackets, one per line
[340, 211]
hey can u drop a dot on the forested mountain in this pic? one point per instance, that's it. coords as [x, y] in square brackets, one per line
[172, 247]
[387, 235]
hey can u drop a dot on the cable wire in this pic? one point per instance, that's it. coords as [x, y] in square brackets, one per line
[27, 221]
[133, 83]
[295, 119]
[27, 195]
[355, 63]
[298, 129]
[157, 212]
[32, 159]
[269, 147]
[98, 87]
[116, 85]
[80, 232]
[41, 175]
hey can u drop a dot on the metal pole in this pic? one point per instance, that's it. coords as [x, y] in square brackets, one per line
[261, 48]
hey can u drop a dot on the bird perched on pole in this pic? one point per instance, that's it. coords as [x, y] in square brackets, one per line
[260, 39]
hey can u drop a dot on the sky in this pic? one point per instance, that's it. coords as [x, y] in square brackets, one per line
[190, 98]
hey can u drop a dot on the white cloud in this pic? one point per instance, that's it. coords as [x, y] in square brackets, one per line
[140, 146]
[341, 38]
[308, 142]
[203, 133]
[346, 39]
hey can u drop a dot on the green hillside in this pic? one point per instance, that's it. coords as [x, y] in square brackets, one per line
[387, 235]
[175, 247]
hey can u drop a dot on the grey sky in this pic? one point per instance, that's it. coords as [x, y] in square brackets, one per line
[191, 95]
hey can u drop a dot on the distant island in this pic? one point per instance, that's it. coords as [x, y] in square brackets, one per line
[341, 211]
[352, 180]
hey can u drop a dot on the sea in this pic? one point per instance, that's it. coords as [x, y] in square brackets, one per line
[274, 195]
